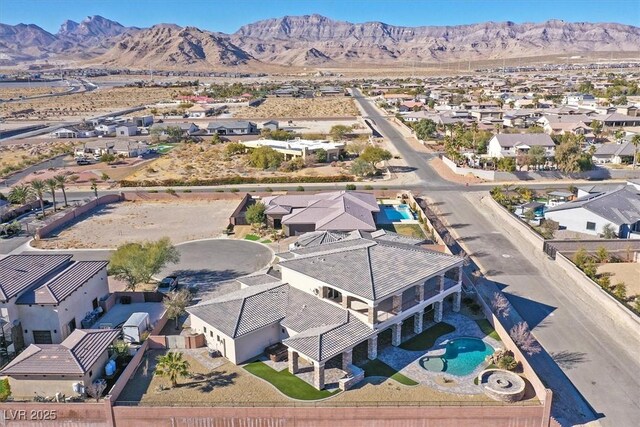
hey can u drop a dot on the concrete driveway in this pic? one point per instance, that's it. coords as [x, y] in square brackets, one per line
[204, 263]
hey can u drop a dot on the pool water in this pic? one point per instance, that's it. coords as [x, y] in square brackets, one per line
[462, 357]
[396, 213]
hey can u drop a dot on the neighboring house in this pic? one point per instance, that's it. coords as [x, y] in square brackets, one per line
[197, 112]
[629, 110]
[143, 121]
[271, 125]
[614, 153]
[45, 297]
[115, 147]
[65, 368]
[232, 127]
[335, 211]
[317, 238]
[65, 133]
[127, 129]
[420, 115]
[186, 128]
[300, 147]
[580, 100]
[106, 129]
[589, 214]
[560, 123]
[513, 144]
[330, 299]
[617, 120]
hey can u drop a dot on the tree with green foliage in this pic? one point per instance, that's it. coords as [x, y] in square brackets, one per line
[338, 132]
[374, 155]
[609, 232]
[234, 148]
[570, 158]
[636, 142]
[107, 158]
[61, 180]
[20, 194]
[602, 255]
[174, 134]
[620, 290]
[52, 186]
[425, 129]
[581, 257]
[321, 155]
[172, 366]
[506, 164]
[277, 134]
[265, 158]
[361, 168]
[255, 213]
[137, 263]
[39, 187]
[175, 303]
[549, 227]
[538, 156]
[215, 139]
[596, 128]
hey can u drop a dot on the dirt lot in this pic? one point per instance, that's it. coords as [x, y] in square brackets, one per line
[299, 108]
[17, 92]
[19, 156]
[628, 273]
[206, 161]
[123, 222]
[87, 103]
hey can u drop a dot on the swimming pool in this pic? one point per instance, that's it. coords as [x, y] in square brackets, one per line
[462, 356]
[396, 213]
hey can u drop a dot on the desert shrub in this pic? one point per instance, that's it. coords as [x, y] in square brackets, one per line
[299, 188]
[234, 148]
[351, 187]
[507, 362]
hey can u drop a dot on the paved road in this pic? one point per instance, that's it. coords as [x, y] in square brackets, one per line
[599, 358]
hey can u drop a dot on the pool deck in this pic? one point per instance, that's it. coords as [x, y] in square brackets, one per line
[383, 218]
[407, 362]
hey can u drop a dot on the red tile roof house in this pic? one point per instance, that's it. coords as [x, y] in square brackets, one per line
[330, 298]
[45, 297]
[65, 368]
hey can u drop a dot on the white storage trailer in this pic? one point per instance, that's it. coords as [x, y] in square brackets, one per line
[135, 326]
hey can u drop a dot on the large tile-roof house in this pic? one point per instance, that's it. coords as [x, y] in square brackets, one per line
[336, 211]
[45, 297]
[512, 144]
[47, 369]
[589, 214]
[329, 298]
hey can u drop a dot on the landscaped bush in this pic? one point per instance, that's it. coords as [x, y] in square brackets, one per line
[5, 390]
[350, 187]
[235, 180]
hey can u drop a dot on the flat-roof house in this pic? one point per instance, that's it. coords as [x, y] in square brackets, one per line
[512, 144]
[232, 127]
[127, 129]
[300, 147]
[45, 297]
[143, 121]
[589, 214]
[335, 211]
[330, 299]
[65, 368]
[106, 129]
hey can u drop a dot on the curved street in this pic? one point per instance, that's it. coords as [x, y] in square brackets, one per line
[589, 362]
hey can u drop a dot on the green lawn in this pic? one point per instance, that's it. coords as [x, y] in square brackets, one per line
[487, 329]
[287, 383]
[411, 230]
[5, 390]
[377, 368]
[266, 241]
[252, 237]
[427, 338]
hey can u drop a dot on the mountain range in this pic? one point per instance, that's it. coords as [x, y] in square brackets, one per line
[309, 40]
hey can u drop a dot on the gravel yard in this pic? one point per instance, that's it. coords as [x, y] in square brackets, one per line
[300, 108]
[114, 224]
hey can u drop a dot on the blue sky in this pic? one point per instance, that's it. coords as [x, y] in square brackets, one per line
[228, 15]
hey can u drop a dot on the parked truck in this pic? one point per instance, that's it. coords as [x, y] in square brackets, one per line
[135, 326]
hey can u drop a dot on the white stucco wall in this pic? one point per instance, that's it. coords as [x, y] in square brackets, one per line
[55, 318]
[240, 349]
[576, 220]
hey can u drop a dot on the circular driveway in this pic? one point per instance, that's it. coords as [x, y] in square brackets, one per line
[203, 262]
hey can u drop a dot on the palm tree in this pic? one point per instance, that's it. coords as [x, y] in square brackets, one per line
[39, 187]
[62, 180]
[20, 194]
[172, 366]
[94, 186]
[635, 141]
[52, 185]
